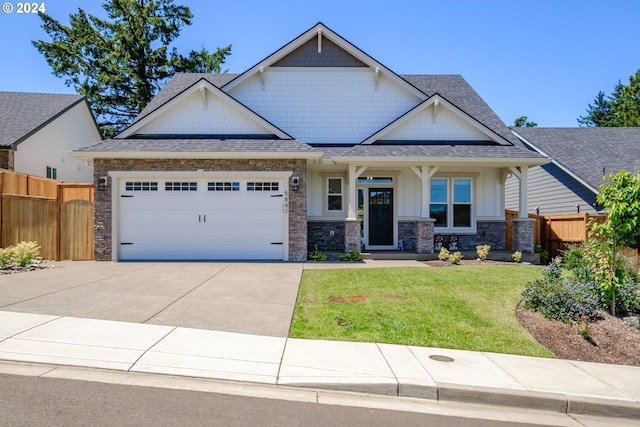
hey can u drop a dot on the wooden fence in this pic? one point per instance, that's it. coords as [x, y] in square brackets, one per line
[554, 232]
[59, 216]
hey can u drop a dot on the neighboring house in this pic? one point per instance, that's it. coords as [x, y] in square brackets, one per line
[39, 130]
[318, 144]
[580, 158]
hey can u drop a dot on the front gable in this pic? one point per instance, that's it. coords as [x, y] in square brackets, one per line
[435, 120]
[203, 109]
[323, 90]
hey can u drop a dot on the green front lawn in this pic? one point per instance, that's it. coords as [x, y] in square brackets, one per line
[461, 307]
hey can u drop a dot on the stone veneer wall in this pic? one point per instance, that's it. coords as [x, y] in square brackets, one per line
[407, 233]
[492, 233]
[319, 234]
[6, 159]
[297, 199]
[522, 234]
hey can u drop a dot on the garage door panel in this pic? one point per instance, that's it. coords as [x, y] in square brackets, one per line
[202, 224]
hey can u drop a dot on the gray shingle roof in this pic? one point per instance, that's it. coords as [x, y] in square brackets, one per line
[441, 151]
[21, 113]
[136, 145]
[585, 152]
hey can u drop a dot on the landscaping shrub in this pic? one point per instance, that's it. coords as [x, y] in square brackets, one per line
[483, 251]
[6, 258]
[455, 257]
[316, 255]
[517, 256]
[560, 298]
[19, 255]
[354, 256]
[25, 252]
[444, 254]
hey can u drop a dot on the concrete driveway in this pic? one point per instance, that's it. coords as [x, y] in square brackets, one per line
[252, 298]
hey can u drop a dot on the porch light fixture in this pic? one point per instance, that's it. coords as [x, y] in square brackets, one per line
[102, 183]
[295, 181]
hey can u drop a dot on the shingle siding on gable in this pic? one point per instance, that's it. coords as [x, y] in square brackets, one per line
[307, 55]
[190, 117]
[446, 127]
[325, 105]
[553, 190]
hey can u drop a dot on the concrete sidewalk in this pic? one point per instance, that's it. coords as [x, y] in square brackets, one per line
[560, 386]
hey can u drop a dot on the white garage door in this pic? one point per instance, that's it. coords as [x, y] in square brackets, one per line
[201, 219]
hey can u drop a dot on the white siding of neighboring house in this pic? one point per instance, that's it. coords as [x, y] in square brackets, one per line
[552, 190]
[445, 127]
[50, 146]
[327, 105]
[191, 117]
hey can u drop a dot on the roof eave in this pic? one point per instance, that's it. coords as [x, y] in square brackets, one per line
[555, 162]
[91, 155]
[448, 161]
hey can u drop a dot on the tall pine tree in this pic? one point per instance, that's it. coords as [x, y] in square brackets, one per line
[620, 109]
[120, 63]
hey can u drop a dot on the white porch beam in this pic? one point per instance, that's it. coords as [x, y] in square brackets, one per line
[352, 199]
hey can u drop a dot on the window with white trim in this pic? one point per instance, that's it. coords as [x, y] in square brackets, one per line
[334, 194]
[52, 172]
[451, 203]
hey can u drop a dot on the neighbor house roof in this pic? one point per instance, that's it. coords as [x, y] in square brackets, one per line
[587, 153]
[22, 114]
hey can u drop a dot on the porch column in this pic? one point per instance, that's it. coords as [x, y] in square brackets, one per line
[425, 173]
[352, 199]
[521, 173]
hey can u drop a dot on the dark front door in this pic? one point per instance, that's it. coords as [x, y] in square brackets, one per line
[380, 216]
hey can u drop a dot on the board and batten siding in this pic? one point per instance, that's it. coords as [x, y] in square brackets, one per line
[552, 190]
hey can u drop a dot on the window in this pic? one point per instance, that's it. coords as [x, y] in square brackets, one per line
[451, 203]
[334, 194]
[140, 186]
[52, 172]
[180, 186]
[262, 186]
[223, 186]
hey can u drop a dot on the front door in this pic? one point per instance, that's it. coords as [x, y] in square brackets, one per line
[381, 217]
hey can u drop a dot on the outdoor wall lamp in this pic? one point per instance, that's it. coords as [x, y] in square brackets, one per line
[295, 181]
[102, 183]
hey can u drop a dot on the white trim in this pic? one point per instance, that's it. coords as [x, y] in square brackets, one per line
[437, 100]
[440, 161]
[90, 155]
[333, 37]
[201, 86]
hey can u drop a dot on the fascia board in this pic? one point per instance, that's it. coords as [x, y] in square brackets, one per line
[448, 161]
[91, 155]
[459, 113]
[555, 162]
[335, 38]
[232, 102]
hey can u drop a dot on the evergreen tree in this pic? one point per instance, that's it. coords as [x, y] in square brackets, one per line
[620, 109]
[521, 122]
[120, 63]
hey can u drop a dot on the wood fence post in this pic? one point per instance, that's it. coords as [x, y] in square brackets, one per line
[58, 215]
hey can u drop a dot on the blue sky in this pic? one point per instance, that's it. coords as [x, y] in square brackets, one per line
[545, 59]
